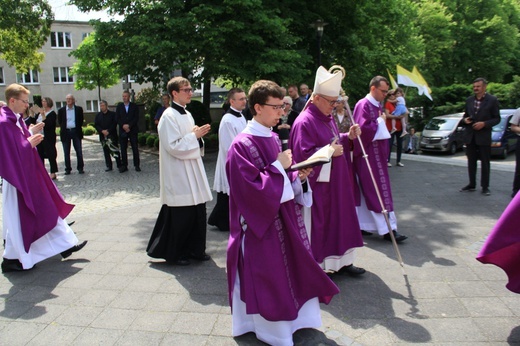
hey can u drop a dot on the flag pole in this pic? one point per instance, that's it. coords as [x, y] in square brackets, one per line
[336, 69]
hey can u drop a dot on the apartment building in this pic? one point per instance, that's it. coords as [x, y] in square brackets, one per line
[54, 79]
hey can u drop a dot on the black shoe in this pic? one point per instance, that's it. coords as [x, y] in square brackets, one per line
[182, 262]
[202, 258]
[467, 188]
[398, 237]
[137, 169]
[67, 172]
[11, 265]
[366, 233]
[75, 248]
[108, 169]
[352, 270]
[123, 169]
[485, 191]
[72, 223]
[81, 171]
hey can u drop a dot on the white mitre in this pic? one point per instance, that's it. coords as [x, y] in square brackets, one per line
[327, 84]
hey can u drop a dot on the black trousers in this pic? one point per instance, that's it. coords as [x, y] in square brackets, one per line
[123, 141]
[108, 157]
[475, 152]
[47, 149]
[219, 217]
[399, 150]
[72, 136]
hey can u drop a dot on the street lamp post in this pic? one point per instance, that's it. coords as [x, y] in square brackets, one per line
[319, 25]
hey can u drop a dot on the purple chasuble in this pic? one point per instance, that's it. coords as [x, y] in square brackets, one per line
[39, 201]
[502, 247]
[366, 115]
[335, 226]
[277, 271]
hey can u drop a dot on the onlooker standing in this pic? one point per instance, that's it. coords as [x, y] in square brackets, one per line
[47, 149]
[341, 116]
[231, 124]
[297, 103]
[368, 113]
[304, 91]
[106, 125]
[165, 98]
[180, 230]
[33, 209]
[127, 114]
[515, 127]
[481, 114]
[70, 118]
[391, 120]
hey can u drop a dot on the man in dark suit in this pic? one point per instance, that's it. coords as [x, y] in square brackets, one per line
[106, 126]
[481, 114]
[127, 114]
[298, 103]
[70, 119]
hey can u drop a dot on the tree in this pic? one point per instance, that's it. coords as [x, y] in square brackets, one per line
[240, 40]
[91, 70]
[24, 29]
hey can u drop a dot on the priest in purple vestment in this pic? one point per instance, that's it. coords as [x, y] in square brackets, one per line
[332, 220]
[275, 285]
[502, 247]
[369, 115]
[32, 208]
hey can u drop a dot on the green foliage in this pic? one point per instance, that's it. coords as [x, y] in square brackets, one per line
[147, 124]
[150, 97]
[141, 139]
[24, 28]
[199, 112]
[503, 93]
[211, 141]
[92, 70]
[514, 95]
[37, 100]
[150, 141]
[156, 143]
[88, 130]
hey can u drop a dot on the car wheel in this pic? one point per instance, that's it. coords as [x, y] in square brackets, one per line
[503, 156]
[453, 148]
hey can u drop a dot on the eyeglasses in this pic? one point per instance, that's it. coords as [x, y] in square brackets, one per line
[241, 99]
[332, 103]
[187, 90]
[275, 107]
[384, 91]
[24, 101]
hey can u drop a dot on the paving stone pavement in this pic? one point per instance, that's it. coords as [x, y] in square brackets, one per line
[112, 293]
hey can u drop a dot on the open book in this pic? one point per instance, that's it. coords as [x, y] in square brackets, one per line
[320, 157]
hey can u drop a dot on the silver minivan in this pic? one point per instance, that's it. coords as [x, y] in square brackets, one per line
[443, 133]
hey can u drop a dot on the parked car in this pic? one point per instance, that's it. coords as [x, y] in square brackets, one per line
[443, 133]
[503, 140]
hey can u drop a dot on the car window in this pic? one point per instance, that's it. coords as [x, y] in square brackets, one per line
[441, 124]
[501, 126]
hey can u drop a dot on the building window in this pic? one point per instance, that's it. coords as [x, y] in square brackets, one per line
[92, 106]
[62, 75]
[85, 35]
[61, 39]
[60, 104]
[31, 77]
[2, 80]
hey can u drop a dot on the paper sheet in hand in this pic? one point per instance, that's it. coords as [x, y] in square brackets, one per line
[318, 158]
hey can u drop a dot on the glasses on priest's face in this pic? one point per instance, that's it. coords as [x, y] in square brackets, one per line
[331, 103]
[187, 90]
[275, 107]
[24, 101]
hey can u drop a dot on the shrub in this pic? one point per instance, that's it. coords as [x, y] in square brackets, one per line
[156, 143]
[150, 141]
[141, 139]
[88, 130]
[199, 112]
